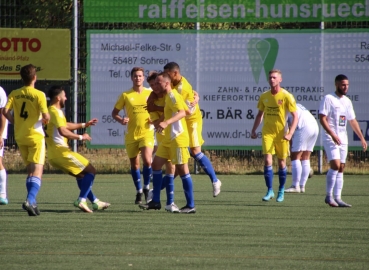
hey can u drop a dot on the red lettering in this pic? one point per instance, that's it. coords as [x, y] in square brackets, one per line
[7, 44]
[33, 44]
[34, 41]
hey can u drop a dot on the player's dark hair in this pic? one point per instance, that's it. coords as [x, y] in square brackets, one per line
[340, 77]
[54, 91]
[171, 66]
[165, 76]
[135, 69]
[152, 76]
[28, 73]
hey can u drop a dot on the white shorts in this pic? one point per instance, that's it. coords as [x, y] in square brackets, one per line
[304, 139]
[334, 151]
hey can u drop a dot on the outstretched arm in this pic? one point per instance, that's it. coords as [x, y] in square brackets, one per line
[74, 126]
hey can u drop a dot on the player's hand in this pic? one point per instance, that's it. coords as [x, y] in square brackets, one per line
[161, 126]
[363, 143]
[1, 143]
[195, 101]
[287, 137]
[86, 137]
[92, 122]
[336, 139]
[253, 135]
[124, 120]
[45, 121]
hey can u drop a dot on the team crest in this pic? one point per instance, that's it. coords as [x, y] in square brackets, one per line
[280, 101]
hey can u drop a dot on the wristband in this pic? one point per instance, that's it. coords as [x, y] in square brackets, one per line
[80, 137]
[83, 125]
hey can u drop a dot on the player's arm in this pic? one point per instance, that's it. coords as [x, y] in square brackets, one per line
[8, 115]
[45, 118]
[151, 106]
[356, 128]
[324, 122]
[258, 119]
[122, 120]
[178, 116]
[65, 132]
[196, 99]
[292, 128]
[74, 126]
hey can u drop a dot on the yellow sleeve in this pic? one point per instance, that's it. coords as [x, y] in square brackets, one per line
[119, 105]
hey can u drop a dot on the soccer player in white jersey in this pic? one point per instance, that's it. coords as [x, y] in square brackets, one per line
[302, 144]
[334, 111]
[3, 136]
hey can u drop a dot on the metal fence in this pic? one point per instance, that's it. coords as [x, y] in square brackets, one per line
[60, 14]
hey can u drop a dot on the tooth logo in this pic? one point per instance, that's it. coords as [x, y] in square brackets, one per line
[262, 54]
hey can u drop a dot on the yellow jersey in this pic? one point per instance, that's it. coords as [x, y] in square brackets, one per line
[276, 108]
[27, 103]
[56, 143]
[185, 89]
[134, 104]
[176, 133]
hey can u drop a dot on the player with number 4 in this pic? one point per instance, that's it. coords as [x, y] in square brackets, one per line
[30, 112]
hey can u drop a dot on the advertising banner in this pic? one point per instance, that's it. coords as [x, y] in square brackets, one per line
[225, 11]
[47, 49]
[229, 70]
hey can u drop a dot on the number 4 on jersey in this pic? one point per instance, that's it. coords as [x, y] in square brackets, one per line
[24, 113]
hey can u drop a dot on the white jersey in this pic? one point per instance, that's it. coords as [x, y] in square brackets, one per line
[338, 110]
[306, 132]
[3, 101]
[306, 119]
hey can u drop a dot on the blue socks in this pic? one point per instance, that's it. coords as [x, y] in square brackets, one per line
[188, 189]
[282, 177]
[146, 175]
[33, 185]
[136, 176]
[91, 196]
[157, 179]
[268, 176]
[205, 164]
[169, 188]
[86, 185]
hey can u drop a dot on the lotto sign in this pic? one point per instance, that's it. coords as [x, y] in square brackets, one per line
[48, 50]
[229, 70]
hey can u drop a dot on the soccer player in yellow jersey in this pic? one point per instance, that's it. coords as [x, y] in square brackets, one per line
[194, 123]
[174, 147]
[139, 136]
[155, 105]
[58, 131]
[29, 113]
[274, 106]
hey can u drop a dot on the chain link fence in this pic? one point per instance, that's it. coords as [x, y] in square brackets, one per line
[60, 14]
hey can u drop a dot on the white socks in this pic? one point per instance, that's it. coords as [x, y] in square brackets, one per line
[3, 184]
[305, 164]
[296, 172]
[330, 181]
[338, 187]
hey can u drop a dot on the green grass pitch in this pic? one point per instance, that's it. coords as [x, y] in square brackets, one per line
[236, 230]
